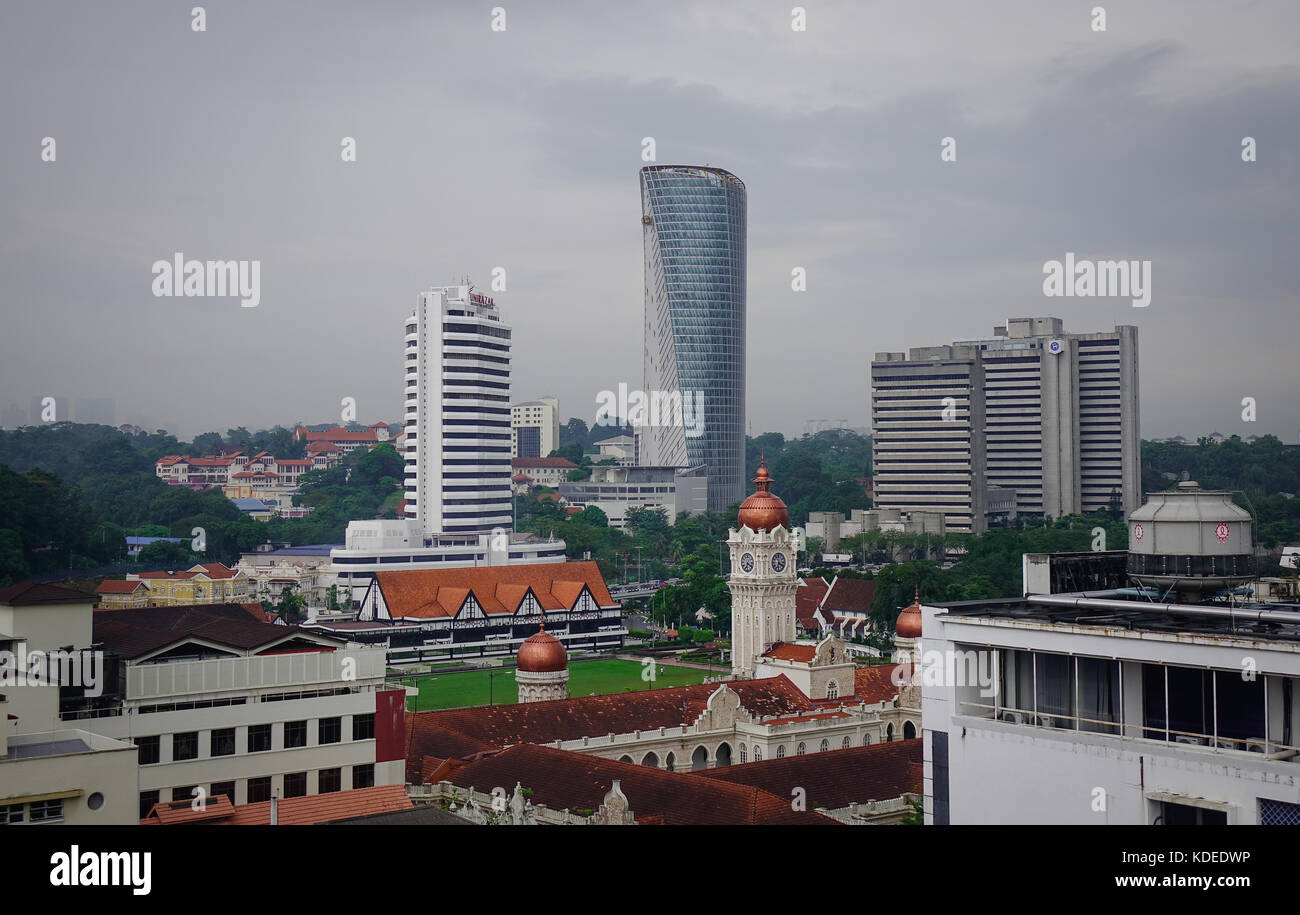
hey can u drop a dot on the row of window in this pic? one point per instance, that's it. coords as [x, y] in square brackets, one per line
[328, 781]
[185, 745]
[50, 811]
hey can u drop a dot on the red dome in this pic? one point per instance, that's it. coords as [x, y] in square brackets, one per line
[763, 511]
[909, 621]
[542, 653]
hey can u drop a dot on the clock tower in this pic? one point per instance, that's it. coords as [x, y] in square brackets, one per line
[763, 578]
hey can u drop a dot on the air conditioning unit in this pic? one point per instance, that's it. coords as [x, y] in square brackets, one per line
[1195, 741]
[1013, 717]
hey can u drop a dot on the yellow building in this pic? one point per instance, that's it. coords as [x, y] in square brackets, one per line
[122, 595]
[206, 583]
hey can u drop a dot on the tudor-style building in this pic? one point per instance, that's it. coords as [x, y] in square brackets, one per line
[425, 614]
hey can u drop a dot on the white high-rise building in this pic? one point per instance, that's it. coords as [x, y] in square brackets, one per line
[456, 440]
[457, 413]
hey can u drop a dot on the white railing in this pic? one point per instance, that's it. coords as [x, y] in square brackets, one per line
[344, 667]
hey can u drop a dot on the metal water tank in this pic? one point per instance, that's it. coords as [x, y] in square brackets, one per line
[1190, 541]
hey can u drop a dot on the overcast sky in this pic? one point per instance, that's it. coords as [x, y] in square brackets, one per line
[521, 149]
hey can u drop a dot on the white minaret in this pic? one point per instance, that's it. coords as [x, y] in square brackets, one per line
[763, 578]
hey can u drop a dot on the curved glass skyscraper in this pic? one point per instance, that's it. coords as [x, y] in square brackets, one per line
[693, 223]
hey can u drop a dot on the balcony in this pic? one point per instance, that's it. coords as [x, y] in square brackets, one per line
[156, 682]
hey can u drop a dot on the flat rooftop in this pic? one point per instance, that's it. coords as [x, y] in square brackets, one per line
[1145, 616]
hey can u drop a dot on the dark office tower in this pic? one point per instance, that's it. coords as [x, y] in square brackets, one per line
[693, 222]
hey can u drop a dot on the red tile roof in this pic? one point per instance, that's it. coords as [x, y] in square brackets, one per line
[463, 732]
[836, 778]
[556, 462]
[325, 447]
[562, 780]
[293, 811]
[342, 435]
[25, 593]
[849, 595]
[135, 633]
[788, 651]
[807, 597]
[875, 684]
[216, 570]
[112, 586]
[436, 593]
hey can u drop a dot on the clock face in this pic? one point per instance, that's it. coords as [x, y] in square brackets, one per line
[778, 562]
[747, 562]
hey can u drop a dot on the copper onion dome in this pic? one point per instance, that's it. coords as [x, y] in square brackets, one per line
[763, 511]
[909, 621]
[541, 653]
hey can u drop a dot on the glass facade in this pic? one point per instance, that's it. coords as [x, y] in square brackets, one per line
[694, 221]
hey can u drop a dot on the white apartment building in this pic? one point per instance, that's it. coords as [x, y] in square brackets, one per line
[217, 702]
[1161, 699]
[1050, 415]
[535, 428]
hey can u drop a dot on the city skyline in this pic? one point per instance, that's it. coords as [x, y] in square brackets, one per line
[845, 181]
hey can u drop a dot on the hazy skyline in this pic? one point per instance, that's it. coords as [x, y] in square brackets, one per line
[521, 149]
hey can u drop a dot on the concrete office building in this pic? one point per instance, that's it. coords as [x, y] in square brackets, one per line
[694, 231]
[1050, 415]
[535, 428]
[1126, 688]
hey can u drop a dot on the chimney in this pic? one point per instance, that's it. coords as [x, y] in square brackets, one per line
[275, 810]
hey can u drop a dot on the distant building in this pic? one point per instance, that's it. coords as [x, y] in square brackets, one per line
[621, 448]
[1049, 414]
[833, 527]
[345, 439]
[534, 428]
[694, 225]
[615, 489]
[204, 583]
[475, 612]
[543, 471]
[121, 595]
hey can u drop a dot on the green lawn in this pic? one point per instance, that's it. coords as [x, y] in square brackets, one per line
[456, 690]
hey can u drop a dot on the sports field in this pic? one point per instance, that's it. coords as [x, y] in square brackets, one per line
[456, 690]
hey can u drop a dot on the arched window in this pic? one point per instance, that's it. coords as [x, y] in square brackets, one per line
[889, 732]
[743, 756]
[866, 740]
[826, 745]
[846, 744]
[832, 690]
[758, 753]
[909, 730]
[671, 763]
[802, 748]
[780, 751]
